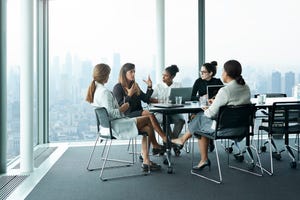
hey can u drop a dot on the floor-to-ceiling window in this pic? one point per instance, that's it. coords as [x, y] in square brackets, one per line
[181, 35]
[262, 35]
[14, 67]
[83, 33]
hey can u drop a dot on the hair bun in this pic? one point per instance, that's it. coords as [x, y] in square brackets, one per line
[214, 63]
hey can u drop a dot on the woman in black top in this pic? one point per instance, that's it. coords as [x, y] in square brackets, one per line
[128, 91]
[207, 72]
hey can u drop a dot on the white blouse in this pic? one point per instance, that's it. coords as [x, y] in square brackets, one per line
[122, 127]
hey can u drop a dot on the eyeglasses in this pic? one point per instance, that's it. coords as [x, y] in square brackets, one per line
[203, 72]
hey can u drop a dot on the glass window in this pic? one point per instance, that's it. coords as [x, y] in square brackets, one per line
[262, 35]
[181, 39]
[83, 34]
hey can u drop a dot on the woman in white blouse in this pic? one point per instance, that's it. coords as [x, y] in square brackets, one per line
[235, 92]
[161, 92]
[123, 128]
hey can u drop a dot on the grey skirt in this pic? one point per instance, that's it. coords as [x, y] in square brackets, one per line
[201, 123]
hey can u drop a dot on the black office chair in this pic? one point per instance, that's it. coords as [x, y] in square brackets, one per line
[234, 123]
[283, 118]
[104, 126]
[262, 114]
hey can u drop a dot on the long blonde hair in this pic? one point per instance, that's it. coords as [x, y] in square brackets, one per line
[122, 77]
[100, 74]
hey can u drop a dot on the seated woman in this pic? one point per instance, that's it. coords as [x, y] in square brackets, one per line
[162, 91]
[128, 91]
[235, 92]
[99, 96]
[207, 73]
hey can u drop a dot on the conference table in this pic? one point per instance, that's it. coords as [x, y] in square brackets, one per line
[188, 107]
[194, 107]
[270, 100]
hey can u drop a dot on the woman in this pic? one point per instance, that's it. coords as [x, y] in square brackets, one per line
[162, 91]
[128, 91]
[235, 92]
[207, 73]
[99, 96]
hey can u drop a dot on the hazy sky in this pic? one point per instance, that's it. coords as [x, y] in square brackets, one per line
[261, 33]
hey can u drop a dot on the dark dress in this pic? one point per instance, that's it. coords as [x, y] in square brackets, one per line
[200, 87]
[135, 105]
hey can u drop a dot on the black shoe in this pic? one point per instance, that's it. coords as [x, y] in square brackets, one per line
[176, 151]
[178, 146]
[161, 150]
[153, 167]
[198, 168]
[141, 158]
[211, 145]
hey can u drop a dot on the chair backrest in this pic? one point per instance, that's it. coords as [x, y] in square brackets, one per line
[235, 121]
[103, 121]
[285, 117]
[272, 95]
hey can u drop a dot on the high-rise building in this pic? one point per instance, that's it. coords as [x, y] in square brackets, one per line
[289, 83]
[276, 82]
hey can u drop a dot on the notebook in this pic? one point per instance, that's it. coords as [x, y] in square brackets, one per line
[184, 92]
[212, 90]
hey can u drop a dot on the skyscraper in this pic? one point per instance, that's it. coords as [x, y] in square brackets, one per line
[276, 82]
[289, 83]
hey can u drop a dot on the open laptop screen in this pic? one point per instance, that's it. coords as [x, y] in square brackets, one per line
[184, 92]
[212, 90]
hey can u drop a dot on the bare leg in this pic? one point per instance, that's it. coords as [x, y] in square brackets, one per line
[155, 125]
[145, 151]
[181, 140]
[203, 145]
[144, 124]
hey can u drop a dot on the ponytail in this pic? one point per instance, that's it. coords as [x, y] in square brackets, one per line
[240, 80]
[90, 93]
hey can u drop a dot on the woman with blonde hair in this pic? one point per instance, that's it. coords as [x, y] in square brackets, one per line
[123, 127]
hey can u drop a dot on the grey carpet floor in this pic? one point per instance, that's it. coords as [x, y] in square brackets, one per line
[69, 179]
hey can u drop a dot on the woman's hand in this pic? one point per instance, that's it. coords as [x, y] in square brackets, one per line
[131, 91]
[148, 82]
[124, 107]
[210, 101]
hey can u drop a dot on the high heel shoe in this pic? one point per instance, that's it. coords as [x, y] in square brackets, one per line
[206, 163]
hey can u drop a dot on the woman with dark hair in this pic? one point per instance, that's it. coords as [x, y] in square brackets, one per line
[207, 73]
[162, 91]
[128, 91]
[123, 127]
[235, 92]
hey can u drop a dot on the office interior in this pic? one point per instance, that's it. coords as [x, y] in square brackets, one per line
[37, 91]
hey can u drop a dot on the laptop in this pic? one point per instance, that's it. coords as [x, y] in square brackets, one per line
[212, 90]
[165, 105]
[184, 92]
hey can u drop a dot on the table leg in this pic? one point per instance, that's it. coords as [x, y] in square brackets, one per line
[167, 130]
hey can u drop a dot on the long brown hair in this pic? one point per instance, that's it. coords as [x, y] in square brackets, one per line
[122, 76]
[100, 74]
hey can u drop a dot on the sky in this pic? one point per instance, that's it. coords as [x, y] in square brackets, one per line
[261, 33]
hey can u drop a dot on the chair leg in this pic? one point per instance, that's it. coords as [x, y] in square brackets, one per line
[126, 164]
[271, 171]
[91, 155]
[218, 163]
[253, 164]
